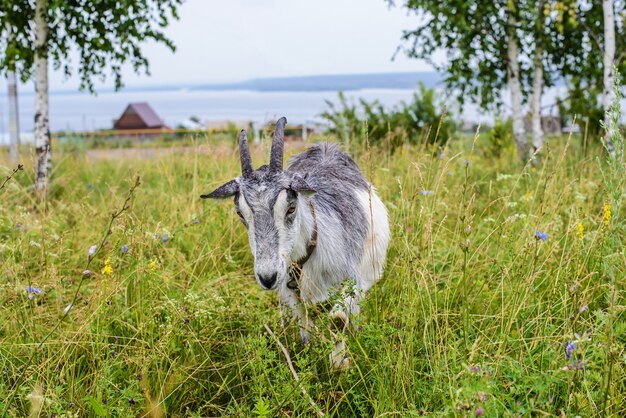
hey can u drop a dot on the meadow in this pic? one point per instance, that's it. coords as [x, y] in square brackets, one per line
[124, 294]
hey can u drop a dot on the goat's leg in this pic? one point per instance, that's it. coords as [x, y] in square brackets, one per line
[347, 306]
[291, 300]
[340, 315]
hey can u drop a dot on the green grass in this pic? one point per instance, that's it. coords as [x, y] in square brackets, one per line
[473, 310]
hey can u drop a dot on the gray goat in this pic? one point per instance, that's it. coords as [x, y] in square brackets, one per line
[310, 227]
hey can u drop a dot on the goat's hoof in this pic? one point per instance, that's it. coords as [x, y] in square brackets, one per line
[339, 359]
[340, 320]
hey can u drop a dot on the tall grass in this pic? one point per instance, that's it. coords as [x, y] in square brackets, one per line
[503, 293]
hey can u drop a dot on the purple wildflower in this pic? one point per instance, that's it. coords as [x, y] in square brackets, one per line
[92, 250]
[466, 162]
[196, 221]
[479, 411]
[87, 273]
[32, 291]
[569, 349]
[124, 248]
[89, 186]
[442, 155]
[541, 235]
[426, 192]
[164, 238]
[131, 401]
[18, 226]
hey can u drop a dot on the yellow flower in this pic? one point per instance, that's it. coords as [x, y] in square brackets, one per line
[152, 265]
[580, 229]
[607, 214]
[107, 270]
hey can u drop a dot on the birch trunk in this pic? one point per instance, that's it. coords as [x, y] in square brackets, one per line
[609, 58]
[515, 86]
[42, 128]
[537, 131]
[14, 124]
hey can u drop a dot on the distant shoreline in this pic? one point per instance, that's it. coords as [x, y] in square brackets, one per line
[310, 83]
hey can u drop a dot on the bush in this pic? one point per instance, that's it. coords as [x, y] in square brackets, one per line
[417, 122]
[500, 136]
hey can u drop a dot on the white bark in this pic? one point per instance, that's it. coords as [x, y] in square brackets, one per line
[515, 86]
[609, 58]
[42, 128]
[535, 105]
[14, 124]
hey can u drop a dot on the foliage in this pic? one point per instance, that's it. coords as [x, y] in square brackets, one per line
[500, 136]
[105, 34]
[474, 310]
[582, 102]
[418, 121]
[474, 35]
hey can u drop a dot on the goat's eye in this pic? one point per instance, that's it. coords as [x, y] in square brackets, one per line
[291, 210]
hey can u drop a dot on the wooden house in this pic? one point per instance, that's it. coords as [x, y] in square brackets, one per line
[139, 116]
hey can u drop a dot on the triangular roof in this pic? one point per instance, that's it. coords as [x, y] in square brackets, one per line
[145, 113]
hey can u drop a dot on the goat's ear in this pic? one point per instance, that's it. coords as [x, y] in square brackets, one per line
[301, 185]
[225, 190]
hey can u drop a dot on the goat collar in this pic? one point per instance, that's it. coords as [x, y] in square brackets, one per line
[296, 266]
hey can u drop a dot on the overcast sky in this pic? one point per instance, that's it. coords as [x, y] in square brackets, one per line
[234, 40]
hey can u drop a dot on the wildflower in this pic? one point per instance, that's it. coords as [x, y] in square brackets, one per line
[569, 349]
[479, 411]
[442, 155]
[409, 228]
[541, 235]
[196, 221]
[124, 248]
[107, 270]
[580, 229]
[426, 192]
[87, 273]
[32, 291]
[131, 401]
[481, 396]
[450, 173]
[156, 236]
[18, 226]
[607, 214]
[152, 265]
[576, 365]
[468, 230]
[89, 186]
[92, 250]
[164, 238]
[466, 162]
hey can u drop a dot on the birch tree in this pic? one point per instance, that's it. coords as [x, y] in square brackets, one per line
[14, 121]
[43, 156]
[106, 35]
[597, 44]
[482, 42]
[608, 96]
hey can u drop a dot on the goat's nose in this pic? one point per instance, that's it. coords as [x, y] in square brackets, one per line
[267, 280]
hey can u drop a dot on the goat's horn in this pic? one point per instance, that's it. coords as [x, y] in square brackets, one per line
[276, 157]
[244, 155]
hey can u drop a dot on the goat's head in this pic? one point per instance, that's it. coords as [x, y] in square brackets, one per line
[267, 200]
